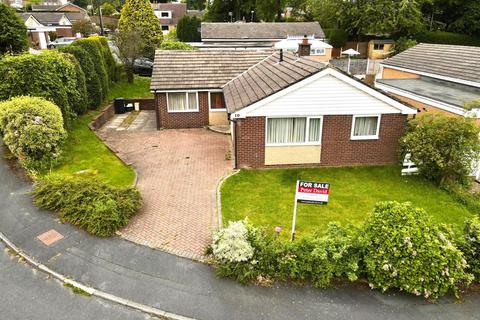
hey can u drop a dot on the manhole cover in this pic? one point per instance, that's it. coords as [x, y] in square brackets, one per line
[50, 237]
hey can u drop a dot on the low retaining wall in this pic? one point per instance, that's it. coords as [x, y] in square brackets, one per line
[145, 104]
[106, 114]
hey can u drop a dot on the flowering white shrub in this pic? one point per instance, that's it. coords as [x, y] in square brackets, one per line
[231, 244]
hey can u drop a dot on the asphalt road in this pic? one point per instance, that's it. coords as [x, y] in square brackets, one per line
[27, 294]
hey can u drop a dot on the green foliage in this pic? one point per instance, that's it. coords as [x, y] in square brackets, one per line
[94, 51]
[472, 104]
[404, 43]
[171, 35]
[108, 9]
[470, 200]
[78, 101]
[175, 45]
[84, 27]
[470, 246]
[196, 4]
[93, 86]
[442, 37]
[268, 10]
[32, 129]
[108, 59]
[336, 37]
[405, 250]
[52, 35]
[88, 203]
[443, 148]
[51, 75]
[138, 16]
[188, 29]
[13, 32]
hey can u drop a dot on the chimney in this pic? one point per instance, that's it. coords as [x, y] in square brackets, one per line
[281, 56]
[304, 47]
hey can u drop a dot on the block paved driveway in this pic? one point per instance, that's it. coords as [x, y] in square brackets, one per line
[178, 171]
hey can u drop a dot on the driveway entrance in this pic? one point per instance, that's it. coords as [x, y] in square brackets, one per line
[178, 171]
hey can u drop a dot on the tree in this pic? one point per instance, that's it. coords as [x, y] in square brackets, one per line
[84, 27]
[188, 29]
[443, 148]
[269, 10]
[404, 43]
[108, 9]
[196, 4]
[130, 49]
[137, 17]
[13, 32]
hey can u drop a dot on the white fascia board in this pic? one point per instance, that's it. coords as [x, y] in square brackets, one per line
[329, 71]
[432, 75]
[434, 103]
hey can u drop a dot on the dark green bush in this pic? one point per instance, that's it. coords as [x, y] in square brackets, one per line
[32, 129]
[88, 203]
[95, 53]
[78, 101]
[336, 37]
[94, 89]
[448, 38]
[13, 32]
[107, 56]
[470, 246]
[464, 196]
[175, 45]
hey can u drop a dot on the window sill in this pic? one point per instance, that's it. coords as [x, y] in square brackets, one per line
[181, 111]
[365, 138]
[217, 110]
[293, 144]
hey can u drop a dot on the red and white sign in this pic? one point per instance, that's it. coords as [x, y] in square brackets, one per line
[312, 192]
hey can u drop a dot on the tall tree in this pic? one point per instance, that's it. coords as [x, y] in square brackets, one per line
[137, 16]
[130, 49]
[269, 10]
[188, 29]
[13, 32]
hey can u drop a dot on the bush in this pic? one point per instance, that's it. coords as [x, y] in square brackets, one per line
[336, 37]
[108, 59]
[405, 250]
[442, 37]
[443, 148]
[404, 43]
[93, 87]
[50, 75]
[470, 246]
[94, 51]
[88, 203]
[32, 129]
[79, 101]
[13, 32]
[175, 45]
[187, 29]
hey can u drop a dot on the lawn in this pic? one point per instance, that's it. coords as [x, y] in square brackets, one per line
[83, 150]
[266, 197]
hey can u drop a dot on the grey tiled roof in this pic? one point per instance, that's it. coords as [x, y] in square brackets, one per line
[75, 16]
[45, 18]
[260, 30]
[200, 69]
[42, 7]
[266, 78]
[460, 62]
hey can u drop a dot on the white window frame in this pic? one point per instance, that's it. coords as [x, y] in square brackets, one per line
[307, 132]
[371, 137]
[210, 102]
[169, 14]
[186, 94]
[315, 53]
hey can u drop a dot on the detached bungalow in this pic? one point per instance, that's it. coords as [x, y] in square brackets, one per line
[284, 110]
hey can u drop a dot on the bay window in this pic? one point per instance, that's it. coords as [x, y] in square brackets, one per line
[365, 127]
[182, 101]
[299, 130]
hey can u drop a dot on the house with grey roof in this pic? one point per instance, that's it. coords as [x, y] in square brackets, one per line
[282, 109]
[40, 24]
[435, 78]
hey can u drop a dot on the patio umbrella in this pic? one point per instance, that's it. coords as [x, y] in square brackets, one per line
[350, 52]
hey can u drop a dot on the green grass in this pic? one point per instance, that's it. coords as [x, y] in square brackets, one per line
[266, 197]
[83, 150]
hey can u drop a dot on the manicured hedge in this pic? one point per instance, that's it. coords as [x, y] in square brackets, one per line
[94, 89]
[50, 75]
[448, 38]
[78, 102]
[107, 57]
[86, 202]
[32, 128]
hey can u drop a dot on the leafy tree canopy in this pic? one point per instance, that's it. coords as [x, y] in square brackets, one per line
[13, 32]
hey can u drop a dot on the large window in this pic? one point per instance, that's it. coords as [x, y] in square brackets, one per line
[294, 131]
[217, 102]
[365, 127]
[182, 102]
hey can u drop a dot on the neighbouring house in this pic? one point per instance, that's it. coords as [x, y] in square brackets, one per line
[60, 7]
[169, 14]
[380, 49]
[254, 35]
[39, 24]
[435, 78]
[319, 50]
[283, 109]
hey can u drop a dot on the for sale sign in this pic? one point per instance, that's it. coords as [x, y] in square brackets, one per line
[312, 192]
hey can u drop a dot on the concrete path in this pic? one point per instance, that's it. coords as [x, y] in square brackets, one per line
[189, 288]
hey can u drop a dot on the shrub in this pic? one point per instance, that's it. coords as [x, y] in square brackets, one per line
[404, 43]
[78, 101]
[336, 37]
[93, 87]
[405, 250]
[88, 203]
[175, 45]
[470, 246]
[187, 29]
[108, 59]
[444, 148]
[50, 75]
[32, 129]
[448, 38]
[13, 32]
[94, 51]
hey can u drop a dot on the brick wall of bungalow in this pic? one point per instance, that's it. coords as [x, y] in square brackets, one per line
[177, 120]
[337, 148]
[64, 32]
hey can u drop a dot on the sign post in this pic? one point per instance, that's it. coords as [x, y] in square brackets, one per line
[309, 192]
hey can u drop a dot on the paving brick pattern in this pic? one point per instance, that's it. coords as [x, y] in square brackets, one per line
[178, 171]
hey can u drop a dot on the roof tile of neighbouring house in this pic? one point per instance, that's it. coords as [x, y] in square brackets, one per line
[260, 30]
[45, 18]
[42, 7]
[266, 78]
[174, 70]
[459, 62]
[75, 16]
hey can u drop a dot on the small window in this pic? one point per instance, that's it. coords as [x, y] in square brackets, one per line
[217, 102]
[182, 101]
[164, 28]
[317, 52]
[378, 46]
[165, 14]
[365, 127]
[315, 130]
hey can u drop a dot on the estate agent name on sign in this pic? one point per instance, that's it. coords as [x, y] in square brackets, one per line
[312, 192]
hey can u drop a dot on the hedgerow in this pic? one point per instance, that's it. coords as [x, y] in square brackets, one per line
[110, 63]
